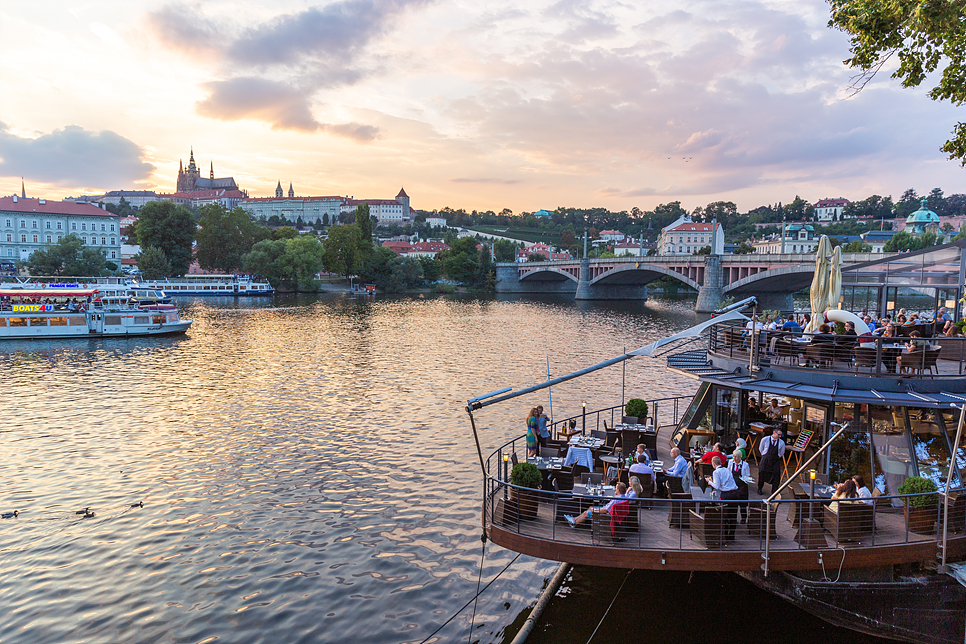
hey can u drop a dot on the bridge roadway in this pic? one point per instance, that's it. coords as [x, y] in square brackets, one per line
[773, 278]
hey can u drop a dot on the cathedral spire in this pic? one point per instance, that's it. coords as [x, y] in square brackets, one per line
[180, 166]
[23, 190]
[278, 191]
[291, 191]
[212, 175]
[191, 161]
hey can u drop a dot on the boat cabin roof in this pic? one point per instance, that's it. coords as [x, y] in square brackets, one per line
[48, 292]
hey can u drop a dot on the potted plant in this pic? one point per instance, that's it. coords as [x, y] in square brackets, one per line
[920, 510]
[637, 408]
[527, 478]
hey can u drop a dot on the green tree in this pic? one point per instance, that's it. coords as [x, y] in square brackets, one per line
[364, 222]
[68, 257]
[224, 237]
[391, 273]
[460, 261]
[430, 268]
[264, 260]
[926, 35]
[341, 250]
[171, 228]
[301, 261]
[152, 263]
[744, 249]
[706, 250]
[285, 232]
[505, 250]
[857, 246]
[567, 237]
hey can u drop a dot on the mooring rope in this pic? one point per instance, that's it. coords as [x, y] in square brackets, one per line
[611, 605]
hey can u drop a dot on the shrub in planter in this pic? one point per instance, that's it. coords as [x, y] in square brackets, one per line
[526, 475]
[920, 510]
[919, 485]
[636, 407]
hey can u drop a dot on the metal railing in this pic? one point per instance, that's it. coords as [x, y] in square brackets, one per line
[939, 356]
[591, 420]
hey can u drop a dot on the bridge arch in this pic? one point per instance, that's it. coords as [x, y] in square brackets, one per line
[641, 274]
[548, 274]
[784, 279]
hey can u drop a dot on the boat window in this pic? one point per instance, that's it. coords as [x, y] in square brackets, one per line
[3, 322]
[38, 321]
[951, 418]
[892, 455]
[58, 321]
[141, 319]
[77, 320]
[157, 319]
[112, 319]
[930, 446]
[850, 453]
[18, 321]
[726, 412]
[172, 317]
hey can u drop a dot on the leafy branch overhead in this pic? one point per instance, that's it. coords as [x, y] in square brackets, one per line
[925, 36]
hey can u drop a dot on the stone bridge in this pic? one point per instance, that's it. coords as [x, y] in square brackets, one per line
[773, 278]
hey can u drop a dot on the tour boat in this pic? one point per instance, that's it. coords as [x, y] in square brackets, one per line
[209, 285]
[890, 564]
[52, 311]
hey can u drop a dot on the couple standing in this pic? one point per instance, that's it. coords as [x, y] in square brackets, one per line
[537, 432]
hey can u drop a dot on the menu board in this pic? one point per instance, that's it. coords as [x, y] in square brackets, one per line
[802, 441]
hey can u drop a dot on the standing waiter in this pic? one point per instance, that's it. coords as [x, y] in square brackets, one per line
[723, 481]
[769, 469]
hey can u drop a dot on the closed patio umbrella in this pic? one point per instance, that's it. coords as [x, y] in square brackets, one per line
[835, 279]
[818, 293]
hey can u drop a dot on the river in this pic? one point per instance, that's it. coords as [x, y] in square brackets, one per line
[306, 469]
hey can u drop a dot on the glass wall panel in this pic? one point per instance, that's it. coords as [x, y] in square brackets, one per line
[930, 446]
[892, 456]
[850, 453]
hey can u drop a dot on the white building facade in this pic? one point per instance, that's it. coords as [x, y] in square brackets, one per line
[312, 210]
[27, 225]
[830, 209]
[799, 239]
[686, 237]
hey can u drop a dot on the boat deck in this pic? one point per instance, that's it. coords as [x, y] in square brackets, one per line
[669, 536]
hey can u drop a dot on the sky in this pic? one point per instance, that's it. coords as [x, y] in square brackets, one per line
[479, 105]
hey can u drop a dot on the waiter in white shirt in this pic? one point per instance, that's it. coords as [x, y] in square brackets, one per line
[769, 468]
[724, 482]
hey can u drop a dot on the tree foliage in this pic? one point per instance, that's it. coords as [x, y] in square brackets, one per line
[857, 246]
[341, 250]
[171, 228]
[903, 241]
[152, 263]
[287, 264]
[391, 273]
[68, 257]
[225, 237]
[505, 250]
[926, 35]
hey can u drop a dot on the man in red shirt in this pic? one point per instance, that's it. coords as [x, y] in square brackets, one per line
[715, 451]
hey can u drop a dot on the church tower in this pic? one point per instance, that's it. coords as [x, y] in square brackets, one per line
[403, 199]
[188, 177]
[212, 175]
[278, 191]
[291, 191]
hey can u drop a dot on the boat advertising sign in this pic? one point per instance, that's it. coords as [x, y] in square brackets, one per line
[32, 308]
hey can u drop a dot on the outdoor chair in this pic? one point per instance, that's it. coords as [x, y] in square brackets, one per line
[853, 520]
[591, 478]
[864, 357]
[756, 521]
[820, 354]
[708, 528]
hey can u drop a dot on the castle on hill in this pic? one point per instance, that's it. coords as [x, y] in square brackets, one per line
[190, 179]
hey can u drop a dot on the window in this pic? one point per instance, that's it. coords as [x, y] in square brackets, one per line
[73, 226]
[9, 237]
[59, 237]
[103, 240]
[103, 227]
[9, 223]
[9, 252]
[49, 238]
[83, 226]
[112, 228]
[113, 255]
[48, 225]
[23, 239]
[35, 239]
[113, 243]
[60, 225]
[23, 223]
[34, 223]
[84, 238]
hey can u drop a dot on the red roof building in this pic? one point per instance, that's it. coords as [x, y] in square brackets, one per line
[26, 225]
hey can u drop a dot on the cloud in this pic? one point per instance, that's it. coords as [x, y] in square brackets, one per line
[504, 182]
[357, 132]
[303, 52]
[73, 157]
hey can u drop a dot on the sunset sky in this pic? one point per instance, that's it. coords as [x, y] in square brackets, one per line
[479, 105]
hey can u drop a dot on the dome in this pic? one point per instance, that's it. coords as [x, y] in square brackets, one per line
[923, 216]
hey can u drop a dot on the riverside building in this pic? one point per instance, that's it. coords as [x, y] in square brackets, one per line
[26, 225]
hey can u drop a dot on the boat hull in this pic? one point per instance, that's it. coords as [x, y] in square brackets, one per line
[928, 608]
[66, 333]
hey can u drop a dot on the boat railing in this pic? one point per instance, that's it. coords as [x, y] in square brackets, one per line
[667, 410]
[798, 521]
[932, 356]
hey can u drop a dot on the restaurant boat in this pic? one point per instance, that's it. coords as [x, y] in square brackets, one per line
[53, 311]
[209, 285]
[890, 564]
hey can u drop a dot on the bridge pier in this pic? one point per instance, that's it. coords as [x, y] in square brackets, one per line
[710, 293]
[775, 302]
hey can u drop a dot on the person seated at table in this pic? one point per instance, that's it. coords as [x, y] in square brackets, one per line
[869, 322]
[754, 413]
[773, 411]
[916, 343]
[791, 326]
[949, 329]
[844, 491]
[636, 490]
[861, 490]
[824, 335]
[532, 432]
[772, 450]
[641, 466]
[620, 495]
[741, 445]
[714, 452]
[680, 467]
[642, 451]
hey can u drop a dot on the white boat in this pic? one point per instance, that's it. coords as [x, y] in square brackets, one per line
[31, 311]
[209, 285]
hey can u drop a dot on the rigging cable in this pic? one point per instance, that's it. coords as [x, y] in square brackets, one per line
[479, 578]
[471, 601]
[611, 605]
